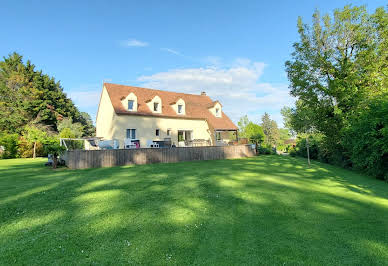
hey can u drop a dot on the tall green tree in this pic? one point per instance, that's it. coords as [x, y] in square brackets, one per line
[242, 125]
[76, 129]
[255, 134]
[26, 95]
[339, 62]
[270, 129]
[300, 119]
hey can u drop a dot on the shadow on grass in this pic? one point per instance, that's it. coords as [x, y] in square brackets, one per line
[267, 209]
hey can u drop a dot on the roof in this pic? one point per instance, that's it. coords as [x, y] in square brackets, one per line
[196, 106]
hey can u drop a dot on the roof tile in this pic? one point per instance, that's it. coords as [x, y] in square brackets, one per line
[196, 105]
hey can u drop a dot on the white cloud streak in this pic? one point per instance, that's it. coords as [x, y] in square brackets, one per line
[134, 43]
[171, 51]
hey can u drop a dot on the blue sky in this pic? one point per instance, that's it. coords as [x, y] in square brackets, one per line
[233, 50]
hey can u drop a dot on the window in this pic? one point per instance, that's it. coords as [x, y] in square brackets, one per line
[131, 133]
[218, 136]
[168, 132]
[157, 132]
[156, 107]
[180, 107]
[130, 104]
[180, 136]
[217, 111]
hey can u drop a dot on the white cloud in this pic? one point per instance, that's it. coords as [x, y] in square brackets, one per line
[237, 87]
[171, 51]
[133, 43]
[86, 96]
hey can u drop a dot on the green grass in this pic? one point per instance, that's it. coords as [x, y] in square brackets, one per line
[264, 210]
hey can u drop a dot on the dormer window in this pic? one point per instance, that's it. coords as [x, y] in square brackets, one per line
[179, 106]
[217, 111]
[130, 105]
[155, 104]
[130, 102]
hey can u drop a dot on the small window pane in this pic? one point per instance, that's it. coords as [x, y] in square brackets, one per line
[180, 108]
[168, 132]
[156, 106]
[133, 134]
[128, 133]
[130, 104]
[157, 132]
[218, 135]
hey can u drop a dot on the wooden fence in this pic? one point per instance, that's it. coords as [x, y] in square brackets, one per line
[79, 159]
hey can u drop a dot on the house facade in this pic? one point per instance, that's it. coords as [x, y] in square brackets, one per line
[142, 117]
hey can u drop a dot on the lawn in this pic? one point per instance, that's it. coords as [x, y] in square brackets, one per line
[263, 210]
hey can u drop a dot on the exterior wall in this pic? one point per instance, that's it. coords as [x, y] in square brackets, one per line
[112, 126]
[105, 116]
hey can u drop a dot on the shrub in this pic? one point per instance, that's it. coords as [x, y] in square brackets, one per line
[266, 150]
[26, 148]
[292, 151]
[366, 138]
[315, 142]
[53, 147]
[10, 144]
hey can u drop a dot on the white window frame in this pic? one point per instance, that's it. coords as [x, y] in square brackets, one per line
[131, 130]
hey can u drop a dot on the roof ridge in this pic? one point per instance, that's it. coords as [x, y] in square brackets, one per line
[190, 94]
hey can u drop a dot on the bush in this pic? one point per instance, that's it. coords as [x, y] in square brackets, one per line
[26, 148]
[314, 147]
[292, 151]
[10, 144]
[266, 150]
[366, 139]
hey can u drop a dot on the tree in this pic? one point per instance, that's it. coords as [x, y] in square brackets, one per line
[284, 136]
[26, 95]
[242, 125]
[366, 138]
[66, 133]
[339, 62]
[300, 119]
[34, 135]
[53, 147]
[87, 122]
[76, 129]
[254, 133]
[8, 142]
[270, 130]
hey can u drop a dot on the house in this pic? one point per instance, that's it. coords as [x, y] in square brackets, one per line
[140, 117]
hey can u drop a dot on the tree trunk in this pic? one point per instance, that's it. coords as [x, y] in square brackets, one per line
[34, 154]
[308, 150]
[55, 161]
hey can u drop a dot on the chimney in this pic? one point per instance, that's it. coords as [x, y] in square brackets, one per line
[203, 93]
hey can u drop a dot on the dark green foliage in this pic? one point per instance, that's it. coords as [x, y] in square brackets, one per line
[52, 146]
[337, 73]
[366, 138]
[314, 144]
[27, 95]
[264, 150]
[10, 145]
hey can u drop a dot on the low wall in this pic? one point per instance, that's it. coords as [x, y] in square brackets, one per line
[80, 159]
